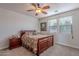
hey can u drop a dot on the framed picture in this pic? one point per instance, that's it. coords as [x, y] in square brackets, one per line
[43, 26]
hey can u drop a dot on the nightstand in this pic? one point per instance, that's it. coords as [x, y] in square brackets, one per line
[14, 43]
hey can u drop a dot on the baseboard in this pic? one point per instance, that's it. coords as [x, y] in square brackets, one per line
[67, 45]
[2, 48]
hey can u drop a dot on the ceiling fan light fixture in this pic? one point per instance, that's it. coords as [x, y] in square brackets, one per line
[38, 10]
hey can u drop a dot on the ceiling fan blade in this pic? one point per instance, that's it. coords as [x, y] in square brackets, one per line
[30, 10]
[46, 7]
[38, 5]
[33, 4]
[44, 12]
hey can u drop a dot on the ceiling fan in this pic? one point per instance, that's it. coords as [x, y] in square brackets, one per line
[39, 9]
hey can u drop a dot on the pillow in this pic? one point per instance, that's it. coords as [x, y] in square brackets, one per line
[26, 33]
[30, 33]
[24, 36]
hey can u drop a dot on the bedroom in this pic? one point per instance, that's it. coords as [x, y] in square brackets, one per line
[62, 17]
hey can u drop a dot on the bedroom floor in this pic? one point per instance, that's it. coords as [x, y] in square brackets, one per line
[56, 50]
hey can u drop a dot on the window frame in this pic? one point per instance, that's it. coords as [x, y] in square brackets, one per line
[58, 25]
[51, 26]
[65, 25]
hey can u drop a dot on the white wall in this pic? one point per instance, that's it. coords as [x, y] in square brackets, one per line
[12, 22]
[75, 16]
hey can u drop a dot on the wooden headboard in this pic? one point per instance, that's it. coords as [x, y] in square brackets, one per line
[24, 31]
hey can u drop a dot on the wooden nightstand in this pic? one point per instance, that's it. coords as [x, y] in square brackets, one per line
[14, 43]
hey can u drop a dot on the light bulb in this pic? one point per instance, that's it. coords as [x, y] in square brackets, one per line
[38, 10]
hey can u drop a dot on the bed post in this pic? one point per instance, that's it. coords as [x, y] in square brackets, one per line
[37, 48]
[52, 40]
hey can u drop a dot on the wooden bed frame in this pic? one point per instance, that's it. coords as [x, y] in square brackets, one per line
[43, 43]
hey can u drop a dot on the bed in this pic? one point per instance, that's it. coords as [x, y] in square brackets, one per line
[37, 43]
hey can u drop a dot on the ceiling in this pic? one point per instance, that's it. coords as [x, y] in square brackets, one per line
[55, 8]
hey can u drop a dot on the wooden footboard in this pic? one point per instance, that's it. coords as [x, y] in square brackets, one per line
[44, 43]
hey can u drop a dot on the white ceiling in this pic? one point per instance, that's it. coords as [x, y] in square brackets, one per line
[22, 7]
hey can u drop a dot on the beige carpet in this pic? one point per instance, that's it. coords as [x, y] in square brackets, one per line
[56, 50]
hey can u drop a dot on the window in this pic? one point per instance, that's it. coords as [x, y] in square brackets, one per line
[52, 25]
[65, 24]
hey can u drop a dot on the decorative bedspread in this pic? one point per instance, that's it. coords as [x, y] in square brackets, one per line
[31, 40]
